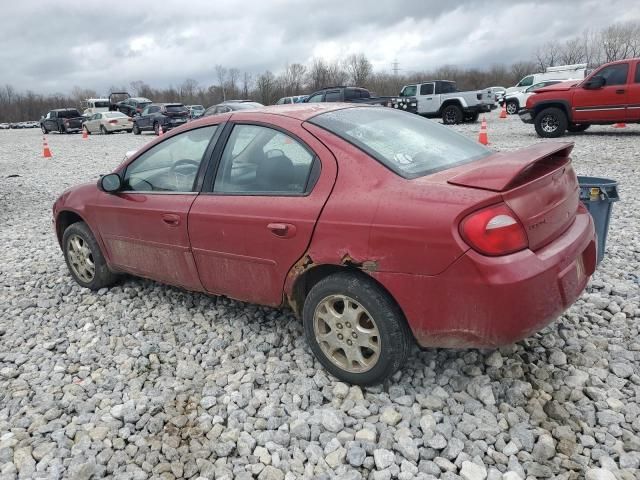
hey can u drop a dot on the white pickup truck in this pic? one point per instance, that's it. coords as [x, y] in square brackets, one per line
[441, 98]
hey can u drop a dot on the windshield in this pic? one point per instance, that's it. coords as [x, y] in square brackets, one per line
[410, 145]
[101, 104]
[409, 91]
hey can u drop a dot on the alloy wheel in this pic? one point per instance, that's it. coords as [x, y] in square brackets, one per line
[346, 333]
[81, 258]
[549, 123]
[511, 108]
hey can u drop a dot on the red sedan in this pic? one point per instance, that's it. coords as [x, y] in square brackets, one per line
[379, 228]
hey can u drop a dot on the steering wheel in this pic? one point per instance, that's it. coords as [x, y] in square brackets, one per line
[183, 169]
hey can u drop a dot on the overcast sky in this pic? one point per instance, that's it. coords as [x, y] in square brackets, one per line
[53, 46]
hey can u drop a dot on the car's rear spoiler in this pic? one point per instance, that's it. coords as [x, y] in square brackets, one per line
[504, 170]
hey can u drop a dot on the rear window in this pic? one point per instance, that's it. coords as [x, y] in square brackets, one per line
[175, 108]
[68, 114]
[113, 115]
[104, 104]
[409, 145]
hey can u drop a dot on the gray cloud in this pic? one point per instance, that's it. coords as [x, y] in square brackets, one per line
[53, 46]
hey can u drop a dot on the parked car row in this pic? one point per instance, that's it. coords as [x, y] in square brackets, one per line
[18, 125]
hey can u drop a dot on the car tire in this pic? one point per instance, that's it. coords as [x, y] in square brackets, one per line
[136, 129]
[512, 107]
[84, 258]
[578, 127]
[103, 130]
[85, 129]
[44, 129]
[451, 115]
[61, 129]
[551, 123]
[378, 318]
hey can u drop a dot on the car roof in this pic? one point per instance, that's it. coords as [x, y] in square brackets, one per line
[299, 111]
[63, 109]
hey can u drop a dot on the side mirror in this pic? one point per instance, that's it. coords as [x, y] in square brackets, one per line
[595, 82]
[110, 183]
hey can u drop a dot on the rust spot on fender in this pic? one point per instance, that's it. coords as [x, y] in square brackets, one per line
[368, 265]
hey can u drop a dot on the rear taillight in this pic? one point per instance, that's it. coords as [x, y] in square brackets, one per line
[494, 231]
[113, 122]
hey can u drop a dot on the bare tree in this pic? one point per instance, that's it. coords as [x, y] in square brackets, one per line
[232, 82]
[246, 84]
[358, 68]
[572, 52]
[548, 55]
[266, 85]
[221, 74]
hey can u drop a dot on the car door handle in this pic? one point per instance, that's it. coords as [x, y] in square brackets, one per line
[282, 230]
[620, 91]
[171, 219]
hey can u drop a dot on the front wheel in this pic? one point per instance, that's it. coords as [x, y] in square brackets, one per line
[551, 123]
[103, 130]
[578, 127]
[84, 258]
[43, 128]
[451, 115]
[512, 107]
[355, 329]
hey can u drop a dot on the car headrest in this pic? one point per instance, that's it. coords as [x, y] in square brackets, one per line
[275, 173]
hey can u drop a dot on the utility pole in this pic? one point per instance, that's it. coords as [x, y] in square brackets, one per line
[396, 67]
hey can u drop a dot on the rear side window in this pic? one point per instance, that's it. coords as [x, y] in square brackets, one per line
[409, 145]
[615, 74]
[259, 160]
[526, 81]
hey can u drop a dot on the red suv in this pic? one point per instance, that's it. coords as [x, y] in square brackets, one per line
[611, 94]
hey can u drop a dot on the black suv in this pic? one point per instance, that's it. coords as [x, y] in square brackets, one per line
[158, 116]
[133, 106]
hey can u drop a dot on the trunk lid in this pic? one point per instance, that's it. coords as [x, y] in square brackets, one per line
[537, 183]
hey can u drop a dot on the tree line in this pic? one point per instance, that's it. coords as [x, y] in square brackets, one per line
[615, 42]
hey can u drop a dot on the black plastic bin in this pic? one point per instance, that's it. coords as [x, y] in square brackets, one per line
[598, 195]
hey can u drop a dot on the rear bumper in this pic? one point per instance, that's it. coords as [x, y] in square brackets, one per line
[526, 115]
[119, 128]
[484, 301]
[480, 108]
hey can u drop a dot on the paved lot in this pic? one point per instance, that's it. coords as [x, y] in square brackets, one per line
[148, 381]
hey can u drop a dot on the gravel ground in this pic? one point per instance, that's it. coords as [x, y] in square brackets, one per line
[148, 381]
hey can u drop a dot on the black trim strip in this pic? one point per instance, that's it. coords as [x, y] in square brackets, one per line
[601, 107]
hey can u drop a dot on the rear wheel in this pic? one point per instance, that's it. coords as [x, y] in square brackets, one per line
[551, 123]
[355, 329]
[512, 107]
[84, 258]
[578, 127]
[84, 128]
[136, 129]
[451, 115]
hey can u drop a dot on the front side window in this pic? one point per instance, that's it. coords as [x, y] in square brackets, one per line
[316, 98]
[426, 89]
[259, 160]
[409, 145]
[526, 81]
[333, 96]
[170, 166]
[615, 74]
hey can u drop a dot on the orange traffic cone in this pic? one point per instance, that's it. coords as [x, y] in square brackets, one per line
[84, 133]
[503, 112]
[619, 125]
[482, 137]
[46, 151]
